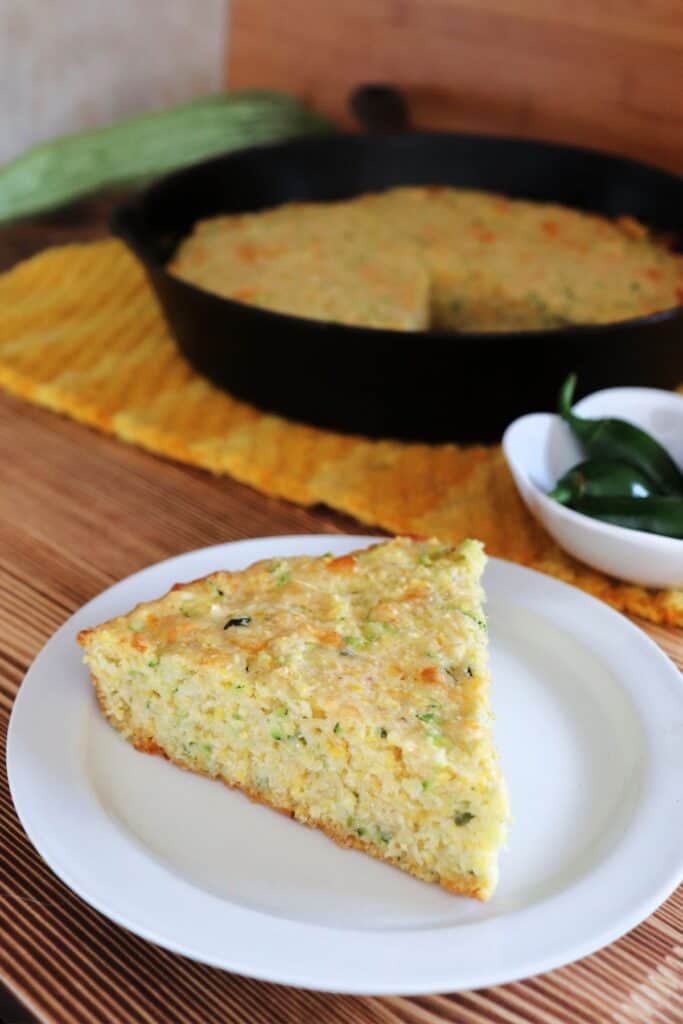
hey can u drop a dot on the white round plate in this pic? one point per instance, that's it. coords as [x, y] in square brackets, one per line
[590, 729]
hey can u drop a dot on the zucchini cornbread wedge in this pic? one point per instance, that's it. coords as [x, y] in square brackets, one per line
[350, 692]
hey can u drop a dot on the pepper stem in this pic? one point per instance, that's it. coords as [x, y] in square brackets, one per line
[566, 398]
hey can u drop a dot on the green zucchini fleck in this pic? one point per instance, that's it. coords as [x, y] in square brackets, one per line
[482, 623]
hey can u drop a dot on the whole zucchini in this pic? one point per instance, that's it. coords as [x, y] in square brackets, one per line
[137, 149]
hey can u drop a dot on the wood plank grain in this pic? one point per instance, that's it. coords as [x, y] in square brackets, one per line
[609, 76]
[654, 20]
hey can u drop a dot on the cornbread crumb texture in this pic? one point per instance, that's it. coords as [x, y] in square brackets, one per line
[333, 262]
[350, 692]
[442, 257]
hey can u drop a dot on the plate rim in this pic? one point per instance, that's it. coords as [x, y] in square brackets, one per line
[623, 921]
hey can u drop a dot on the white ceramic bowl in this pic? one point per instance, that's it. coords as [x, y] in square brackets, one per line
[540, 448]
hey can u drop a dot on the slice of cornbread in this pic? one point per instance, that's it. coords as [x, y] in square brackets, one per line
[351, 693]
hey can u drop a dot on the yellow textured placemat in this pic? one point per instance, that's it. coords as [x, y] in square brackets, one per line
[81, 333]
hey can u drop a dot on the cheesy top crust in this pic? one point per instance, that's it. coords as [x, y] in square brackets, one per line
[395, 630]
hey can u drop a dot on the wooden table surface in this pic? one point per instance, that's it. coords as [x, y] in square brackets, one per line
[62, 542]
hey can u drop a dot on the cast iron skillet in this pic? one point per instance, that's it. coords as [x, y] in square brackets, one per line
[420, 385]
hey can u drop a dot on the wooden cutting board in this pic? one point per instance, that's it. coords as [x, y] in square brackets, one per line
[608, 75]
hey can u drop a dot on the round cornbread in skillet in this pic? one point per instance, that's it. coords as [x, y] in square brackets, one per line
[351, 693]
[447, 258]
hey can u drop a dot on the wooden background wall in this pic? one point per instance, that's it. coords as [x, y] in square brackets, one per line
[604, 73]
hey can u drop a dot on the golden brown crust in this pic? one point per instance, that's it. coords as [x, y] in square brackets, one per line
[82, 637]
[346, 561]
[460, 885]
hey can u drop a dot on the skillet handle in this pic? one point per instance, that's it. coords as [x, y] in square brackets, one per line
[380, 108]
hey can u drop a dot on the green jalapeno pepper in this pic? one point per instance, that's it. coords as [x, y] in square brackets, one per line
[602, 478]
[662, 515]
[621, 441]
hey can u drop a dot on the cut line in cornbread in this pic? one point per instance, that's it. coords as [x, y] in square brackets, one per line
[451, 259]
[351, 693]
